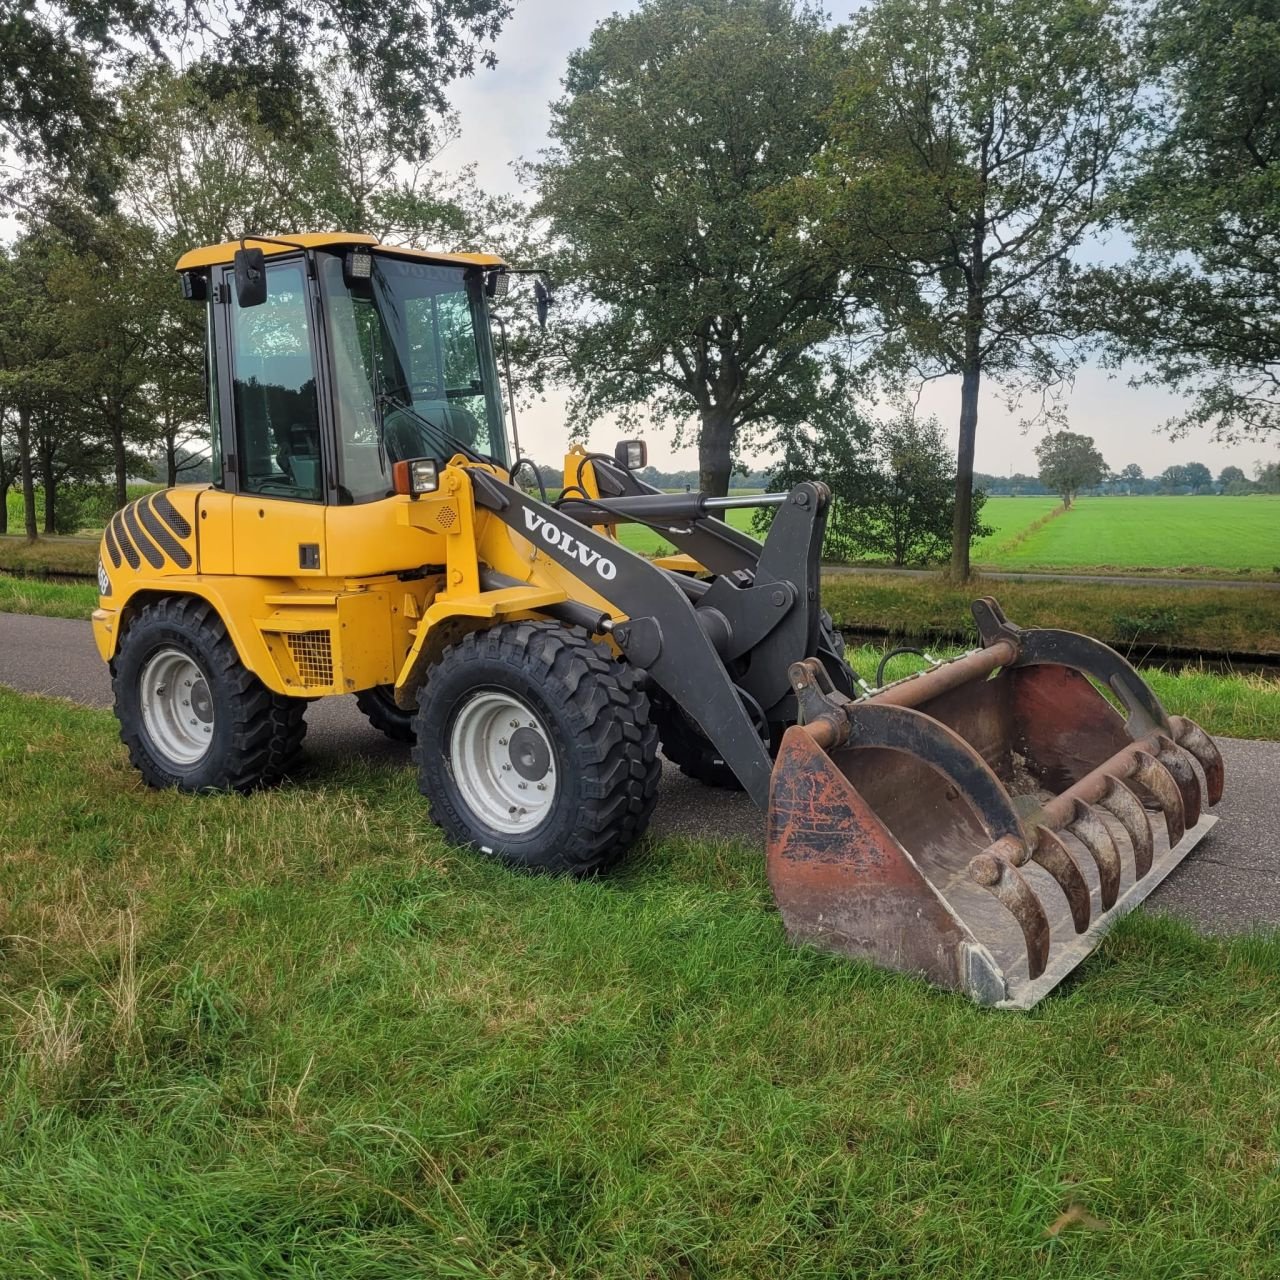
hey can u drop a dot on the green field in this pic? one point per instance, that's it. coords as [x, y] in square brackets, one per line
[297, 1035]
[1150, 534]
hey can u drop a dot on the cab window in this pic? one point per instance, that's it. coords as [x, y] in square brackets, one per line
[274, 390]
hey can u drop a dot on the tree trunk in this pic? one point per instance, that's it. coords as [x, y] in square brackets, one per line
[6, 479]
[28, 476]
[715, 451]
[121, 463]
[49, 483]
[969, 388]
[171, 458]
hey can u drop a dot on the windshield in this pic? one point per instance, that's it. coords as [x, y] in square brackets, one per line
[413, 368]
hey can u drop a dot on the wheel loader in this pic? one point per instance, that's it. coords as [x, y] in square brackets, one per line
[980, 823]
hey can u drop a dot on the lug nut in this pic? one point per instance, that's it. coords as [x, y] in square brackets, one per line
[502, 742]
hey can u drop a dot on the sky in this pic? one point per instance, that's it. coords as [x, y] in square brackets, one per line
[504, 116]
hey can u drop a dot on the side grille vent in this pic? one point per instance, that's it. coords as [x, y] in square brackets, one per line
[312, 653]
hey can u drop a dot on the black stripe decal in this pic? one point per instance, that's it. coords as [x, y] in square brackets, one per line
[154, 556]
[130, 551]
[113, 548]
[167, 542]
[171, 515]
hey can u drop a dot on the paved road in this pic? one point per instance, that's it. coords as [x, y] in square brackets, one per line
[1229, 883]
[1122, 580]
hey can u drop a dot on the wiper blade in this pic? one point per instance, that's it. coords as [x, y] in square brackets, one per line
[442, 433]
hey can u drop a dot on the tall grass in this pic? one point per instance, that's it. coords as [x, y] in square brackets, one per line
[50, 599]
[297, 1035]
[1134, 618]
[1227, 704]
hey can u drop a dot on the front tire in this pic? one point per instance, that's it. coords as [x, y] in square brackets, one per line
[191, 714]
[534, 745]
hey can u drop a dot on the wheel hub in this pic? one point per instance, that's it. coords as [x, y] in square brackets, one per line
[177, 706]
[502, 761]
[530, 755]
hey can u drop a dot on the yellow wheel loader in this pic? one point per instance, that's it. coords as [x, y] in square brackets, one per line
[980, 823]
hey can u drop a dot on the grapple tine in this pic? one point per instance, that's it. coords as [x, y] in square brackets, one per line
[997, 874]
[1127, 809]
[1054, 857]
[1178, 762]
[1191, 737]
[1150, 773]
[1092, 832]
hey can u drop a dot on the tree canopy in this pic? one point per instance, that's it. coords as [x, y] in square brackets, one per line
[64, 59]
[675, 297]
[1199, 308]
[1068, 463]
[971, 143]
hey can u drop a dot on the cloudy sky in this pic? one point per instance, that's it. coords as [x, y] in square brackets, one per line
[504, 116]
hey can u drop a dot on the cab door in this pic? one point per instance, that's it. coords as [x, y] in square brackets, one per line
[279, 466]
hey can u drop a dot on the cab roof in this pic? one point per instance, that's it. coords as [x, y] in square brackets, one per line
[216, 254]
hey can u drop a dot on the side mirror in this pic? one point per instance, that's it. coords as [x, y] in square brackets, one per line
[542, 300]
[631, 454]
[251, 277]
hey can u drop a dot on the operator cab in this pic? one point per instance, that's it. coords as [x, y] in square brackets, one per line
[331, 358]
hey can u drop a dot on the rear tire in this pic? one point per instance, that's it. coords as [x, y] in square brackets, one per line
[191, 714]
[689, 749]
[379, 706]
[534, 745]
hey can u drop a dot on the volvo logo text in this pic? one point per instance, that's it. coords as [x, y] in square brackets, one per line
[563, 540]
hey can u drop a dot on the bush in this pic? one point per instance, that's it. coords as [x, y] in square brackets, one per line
[892, 485]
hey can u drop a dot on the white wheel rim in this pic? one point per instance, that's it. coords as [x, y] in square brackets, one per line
[177, 706]
[503, 762]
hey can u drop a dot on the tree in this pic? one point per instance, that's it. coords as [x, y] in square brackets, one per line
[1267, 477]
[64, 59]
[674, 294]
[1199, 477]
[1069, 463]
[8, 472]
[1234, 483]
[1174, 478]
[1200, 306]
[1131, 475]
[893, 487]
[971, 148]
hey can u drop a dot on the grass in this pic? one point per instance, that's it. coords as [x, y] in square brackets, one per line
[1177, 537]
[1151, 535]
[48, 555]
[51, 599]
[296, 1035]
[1228, 704]
[92, 505]
[1135, 619]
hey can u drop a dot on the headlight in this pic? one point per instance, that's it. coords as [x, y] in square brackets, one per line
[104, 583]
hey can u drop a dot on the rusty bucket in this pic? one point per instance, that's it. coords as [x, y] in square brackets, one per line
[984, 822]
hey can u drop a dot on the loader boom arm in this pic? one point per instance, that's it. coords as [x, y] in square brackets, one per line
[685, 635]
